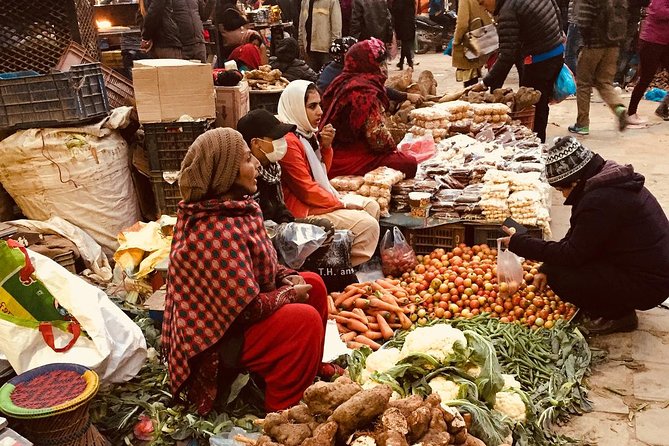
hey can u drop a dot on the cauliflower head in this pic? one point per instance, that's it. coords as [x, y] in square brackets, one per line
[381, 360]
[437, 341]
[511, 405]
[445, 388]
[510, 382]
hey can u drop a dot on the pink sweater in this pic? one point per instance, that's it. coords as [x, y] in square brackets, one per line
[655, 28]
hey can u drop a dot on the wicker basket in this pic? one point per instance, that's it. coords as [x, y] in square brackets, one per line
[526, 117]
[53, 407]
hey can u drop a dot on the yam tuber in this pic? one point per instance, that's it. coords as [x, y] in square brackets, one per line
[419, 422]
[473, 441]
[435, 438]
[274, 419]
[361, 410]
[266, 441]
[407, 405]
[322, 398]
[393, 420]
[324, 435]
[299, 414]
[290, 434]
[391, 438]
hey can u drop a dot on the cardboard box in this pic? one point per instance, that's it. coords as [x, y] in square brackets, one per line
[231, 104]
[166, 89]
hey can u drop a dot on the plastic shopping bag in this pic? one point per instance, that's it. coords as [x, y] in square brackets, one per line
[297, 241]
[565, 85]
[49, 315]
[397, 257]
[334, 266]
[420, 147]
[509, 268]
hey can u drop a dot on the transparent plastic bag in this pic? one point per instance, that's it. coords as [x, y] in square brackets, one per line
[509, 268]
[420, 147]
[297, 241]
[397, 256]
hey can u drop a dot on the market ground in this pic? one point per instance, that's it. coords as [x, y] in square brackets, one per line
[630, 390]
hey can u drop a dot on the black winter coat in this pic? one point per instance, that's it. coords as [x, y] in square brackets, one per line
[525, 27]
[286, 60]
[159, 25]
[270, 198]
[616, 249]
[189, 15]
[371, 18]
[404, 19]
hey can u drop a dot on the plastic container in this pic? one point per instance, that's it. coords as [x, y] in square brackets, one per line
[269, 100]
[167, 193]
[425, 240]
[168, 142]
[489, 234]
[53, 99]
[526, 117]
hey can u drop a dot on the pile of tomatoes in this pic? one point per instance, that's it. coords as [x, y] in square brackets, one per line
[463, 283]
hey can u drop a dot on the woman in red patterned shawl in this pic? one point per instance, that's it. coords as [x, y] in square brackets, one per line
[354, 104]
[230, 305]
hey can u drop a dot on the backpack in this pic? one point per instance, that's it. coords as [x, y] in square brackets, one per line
[615, 29]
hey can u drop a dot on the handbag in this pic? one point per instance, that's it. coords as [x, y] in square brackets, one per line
[481, 41]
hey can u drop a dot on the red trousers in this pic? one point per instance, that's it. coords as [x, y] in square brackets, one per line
[286, 348]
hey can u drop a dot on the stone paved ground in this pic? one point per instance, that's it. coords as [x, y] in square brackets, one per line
[630, 390]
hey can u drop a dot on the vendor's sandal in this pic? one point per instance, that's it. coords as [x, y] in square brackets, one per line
[602, 326]
[327, 371]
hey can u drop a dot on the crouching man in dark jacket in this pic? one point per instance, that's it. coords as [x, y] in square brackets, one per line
[615, 257]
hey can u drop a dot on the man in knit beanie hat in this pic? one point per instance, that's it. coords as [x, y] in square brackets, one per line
[615, 257]
[211, 164]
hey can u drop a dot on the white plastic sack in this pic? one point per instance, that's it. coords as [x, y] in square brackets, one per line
[79, 174]
[90, 250]
[115, 347]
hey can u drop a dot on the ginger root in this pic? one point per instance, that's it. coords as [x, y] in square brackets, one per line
[359, 411]
[322, 398]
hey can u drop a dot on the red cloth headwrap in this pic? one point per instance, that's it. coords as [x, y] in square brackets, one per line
[361, 85]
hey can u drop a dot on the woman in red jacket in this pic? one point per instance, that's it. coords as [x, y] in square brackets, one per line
[227, 290]
[304, 173]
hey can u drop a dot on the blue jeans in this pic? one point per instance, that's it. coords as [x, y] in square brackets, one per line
[573, 47]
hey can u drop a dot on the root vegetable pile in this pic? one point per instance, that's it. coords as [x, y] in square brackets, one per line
[342, 412]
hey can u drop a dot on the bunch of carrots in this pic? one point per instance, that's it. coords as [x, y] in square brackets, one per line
[368, 313]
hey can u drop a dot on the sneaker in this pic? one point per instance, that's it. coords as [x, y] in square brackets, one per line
[635, 119]
[621, 113]
[579, 130]
[602, 326]
[663, 112]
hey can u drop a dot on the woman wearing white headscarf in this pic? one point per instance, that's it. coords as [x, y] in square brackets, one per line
[307, 190]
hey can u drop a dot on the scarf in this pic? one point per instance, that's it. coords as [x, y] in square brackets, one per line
[221, 259]
[360, 86]
[248, 54]
[292, 109]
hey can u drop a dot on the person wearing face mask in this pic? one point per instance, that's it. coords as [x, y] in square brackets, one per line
[304, 174]
[615, 257]
[266, 137]
[227, 290]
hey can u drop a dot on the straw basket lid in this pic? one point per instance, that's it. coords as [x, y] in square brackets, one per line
[48, 390]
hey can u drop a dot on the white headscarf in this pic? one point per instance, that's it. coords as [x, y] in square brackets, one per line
[292, 109]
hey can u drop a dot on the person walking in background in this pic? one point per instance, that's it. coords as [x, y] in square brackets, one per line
[404, 19]
[602, 25]
[160, 33]
[529, 30]
[320, 25]
[629, 47]
[372, 18]
[653, 55]
[574, 39]
[471, 16]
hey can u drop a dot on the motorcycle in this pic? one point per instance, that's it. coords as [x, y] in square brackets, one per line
[434, 34]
